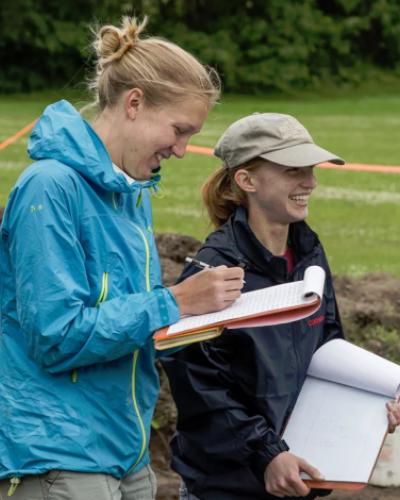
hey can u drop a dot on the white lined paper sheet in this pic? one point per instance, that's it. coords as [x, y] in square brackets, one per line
[257, 302]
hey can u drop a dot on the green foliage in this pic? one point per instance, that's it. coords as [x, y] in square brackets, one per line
[290, 44]
[257, 45]
[37, 45]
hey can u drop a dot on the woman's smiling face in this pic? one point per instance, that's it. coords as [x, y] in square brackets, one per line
[152, 134]
[282, 192]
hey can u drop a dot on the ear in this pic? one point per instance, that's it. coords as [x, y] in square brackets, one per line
[134, 100]
[245, 180]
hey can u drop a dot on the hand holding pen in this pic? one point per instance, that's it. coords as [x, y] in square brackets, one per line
[208, 291]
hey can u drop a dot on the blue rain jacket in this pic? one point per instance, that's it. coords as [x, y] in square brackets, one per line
[80, 298]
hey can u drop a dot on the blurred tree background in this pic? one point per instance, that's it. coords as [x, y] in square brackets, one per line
[257, 45]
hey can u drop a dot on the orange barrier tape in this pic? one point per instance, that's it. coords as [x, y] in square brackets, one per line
[357, 167]
[200, 150]
[360, 167]
[17, 135]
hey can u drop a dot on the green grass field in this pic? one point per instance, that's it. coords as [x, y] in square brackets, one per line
[356, 214]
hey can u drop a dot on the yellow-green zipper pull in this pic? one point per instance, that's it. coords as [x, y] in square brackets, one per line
[74, 376]
[139, 199]
[14, 482]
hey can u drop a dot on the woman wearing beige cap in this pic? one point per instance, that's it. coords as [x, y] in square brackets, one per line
[235, 393]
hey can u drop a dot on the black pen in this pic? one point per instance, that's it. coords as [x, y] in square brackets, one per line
[197, 263]
[200, 264]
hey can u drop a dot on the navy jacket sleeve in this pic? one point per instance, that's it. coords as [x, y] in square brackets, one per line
[208, 390]
[219, 424]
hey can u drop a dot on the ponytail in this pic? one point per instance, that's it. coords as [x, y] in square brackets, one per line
[221, 195]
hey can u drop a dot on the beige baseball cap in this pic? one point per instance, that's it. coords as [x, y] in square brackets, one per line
[272, 136]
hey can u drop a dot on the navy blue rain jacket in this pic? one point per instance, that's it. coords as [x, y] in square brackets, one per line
[235, 393]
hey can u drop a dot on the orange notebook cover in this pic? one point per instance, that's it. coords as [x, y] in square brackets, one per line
[335, 485]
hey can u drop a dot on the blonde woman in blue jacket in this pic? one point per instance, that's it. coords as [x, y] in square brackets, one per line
[80, 284]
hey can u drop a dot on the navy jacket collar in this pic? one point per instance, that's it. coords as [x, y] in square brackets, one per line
[238, 243]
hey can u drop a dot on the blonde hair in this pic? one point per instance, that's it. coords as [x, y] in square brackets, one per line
[221, 194]
[161, 69]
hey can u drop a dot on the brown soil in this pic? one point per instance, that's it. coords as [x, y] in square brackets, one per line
[370, 308]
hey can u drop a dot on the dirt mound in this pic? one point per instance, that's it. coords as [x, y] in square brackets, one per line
[370, 308]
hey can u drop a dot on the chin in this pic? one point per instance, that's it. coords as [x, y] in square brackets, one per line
[298, 216]
[144, 175]
[302, 217]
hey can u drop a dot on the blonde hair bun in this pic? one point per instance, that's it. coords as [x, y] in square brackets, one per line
[162, 70]
[112, 43]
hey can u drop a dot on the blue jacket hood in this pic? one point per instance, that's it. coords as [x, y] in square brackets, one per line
[62, 134]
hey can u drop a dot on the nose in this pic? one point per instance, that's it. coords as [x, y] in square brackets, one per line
[310, 180]
[179, 149]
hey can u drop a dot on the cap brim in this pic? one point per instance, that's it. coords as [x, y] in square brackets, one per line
[302, 155]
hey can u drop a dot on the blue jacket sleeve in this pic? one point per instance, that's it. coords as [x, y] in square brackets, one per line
[61, 328]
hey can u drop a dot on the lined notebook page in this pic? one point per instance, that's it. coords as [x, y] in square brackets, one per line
[249, 304]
